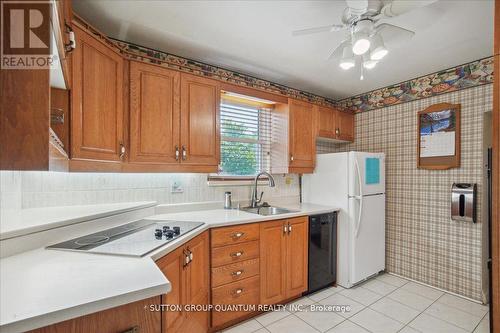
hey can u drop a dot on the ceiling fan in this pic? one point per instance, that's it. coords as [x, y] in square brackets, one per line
[365, 38]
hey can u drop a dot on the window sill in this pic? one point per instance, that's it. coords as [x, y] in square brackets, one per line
[234, 181]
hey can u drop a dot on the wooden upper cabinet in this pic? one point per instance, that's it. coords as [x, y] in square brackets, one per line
[334, 124]
[200, 137]
[297, 249]
[97, 100]
[345, 126]
[272, 262]
[302, 136]
[327, 122]
[154, 114]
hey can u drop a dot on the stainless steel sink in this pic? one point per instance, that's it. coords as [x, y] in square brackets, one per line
[270, 210]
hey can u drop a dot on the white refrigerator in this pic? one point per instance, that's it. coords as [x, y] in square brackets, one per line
[354, 182]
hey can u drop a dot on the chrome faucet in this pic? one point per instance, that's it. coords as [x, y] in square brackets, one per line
[256, 201]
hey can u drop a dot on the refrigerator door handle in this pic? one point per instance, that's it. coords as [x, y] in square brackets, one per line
[360, 198]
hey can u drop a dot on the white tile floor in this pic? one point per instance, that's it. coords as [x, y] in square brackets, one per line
[384, 304]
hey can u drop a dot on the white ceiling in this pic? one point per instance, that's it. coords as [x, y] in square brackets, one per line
[254, 37]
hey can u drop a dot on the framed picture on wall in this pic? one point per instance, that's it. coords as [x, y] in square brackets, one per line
[438, 135]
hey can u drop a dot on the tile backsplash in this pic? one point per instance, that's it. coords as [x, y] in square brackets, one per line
[34, 189]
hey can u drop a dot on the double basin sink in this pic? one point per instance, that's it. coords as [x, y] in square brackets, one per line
[268, 210]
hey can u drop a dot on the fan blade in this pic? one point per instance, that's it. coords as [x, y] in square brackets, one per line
[393, 35]
[330, 28]
[399, 7]
[337, 53]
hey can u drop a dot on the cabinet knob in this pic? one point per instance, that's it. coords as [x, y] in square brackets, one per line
[122, 151]
[238, 234]
[236, 254]
[289, 228]
[285, 229]
[291, 158]
[237, 273]
[337, 131]
[176, 152]
[238, 291]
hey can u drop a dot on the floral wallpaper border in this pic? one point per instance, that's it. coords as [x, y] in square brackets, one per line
[465, 76]
[195, 67]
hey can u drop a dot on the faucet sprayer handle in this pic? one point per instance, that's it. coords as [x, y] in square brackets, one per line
[260, 198]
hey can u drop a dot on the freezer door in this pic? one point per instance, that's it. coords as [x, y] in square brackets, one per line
[367, 174]
[367, 236]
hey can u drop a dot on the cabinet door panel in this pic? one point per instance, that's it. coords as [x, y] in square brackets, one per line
[119, 319]
[172, 265]
[272, 262]
[345, 124]
[296, 256]
[97, 106]
[302, 134]
[200, 99]
[327, 122]
[154, 114]
[198, 285]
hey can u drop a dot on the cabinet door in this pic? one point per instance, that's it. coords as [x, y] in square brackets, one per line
[272, 262]
[154, 114]
[97, 106]
[302, 134]
[200, 137]
[172, 265]
[198, 285]
[296, 256]
[345, 126]
[326, 122]
[120, 319]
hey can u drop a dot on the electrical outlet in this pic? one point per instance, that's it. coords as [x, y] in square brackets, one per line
[177, 187]
[288, 180]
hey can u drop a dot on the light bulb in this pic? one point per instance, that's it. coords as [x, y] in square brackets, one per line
[369, 64]
[347, 60]
[378, 48]
[361, 43]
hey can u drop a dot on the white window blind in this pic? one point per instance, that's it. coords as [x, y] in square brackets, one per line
[245, 139]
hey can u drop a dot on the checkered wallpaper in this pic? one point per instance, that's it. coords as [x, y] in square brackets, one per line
[422, 242]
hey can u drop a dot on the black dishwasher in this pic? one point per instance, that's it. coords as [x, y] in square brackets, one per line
[322, 251]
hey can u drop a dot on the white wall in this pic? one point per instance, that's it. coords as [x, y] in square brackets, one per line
[27, 189]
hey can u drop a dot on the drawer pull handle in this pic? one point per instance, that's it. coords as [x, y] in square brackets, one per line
[237, 273]
[237, 292]
[238, 234]
[237, 254]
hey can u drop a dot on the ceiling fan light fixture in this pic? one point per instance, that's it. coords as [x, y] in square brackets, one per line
[347, 61]
[378, 50]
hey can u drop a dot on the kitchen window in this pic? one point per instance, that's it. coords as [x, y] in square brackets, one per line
[245, 137]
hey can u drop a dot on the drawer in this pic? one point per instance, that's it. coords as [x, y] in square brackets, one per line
[235, 234]
[234, 272]
[244, 292]
[231, 254]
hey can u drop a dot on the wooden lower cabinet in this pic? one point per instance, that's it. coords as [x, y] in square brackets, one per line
[122, 319]
[190, 286]
[283, 259]
[235, 273]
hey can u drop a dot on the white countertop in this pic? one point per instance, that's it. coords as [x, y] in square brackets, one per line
[19, 222]
[41, 287]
